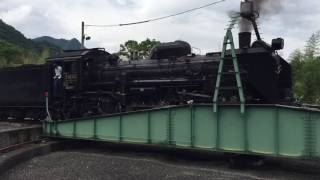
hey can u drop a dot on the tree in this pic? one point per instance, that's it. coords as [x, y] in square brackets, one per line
[297, 58]
[134, 50]
[9, 54]
[129, 48]
[306, 71]
[312, 49]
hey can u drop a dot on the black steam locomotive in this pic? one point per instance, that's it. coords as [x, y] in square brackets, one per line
[95, 82]
[92, 82]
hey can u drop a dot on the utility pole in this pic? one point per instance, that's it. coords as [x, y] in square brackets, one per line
[82, 35]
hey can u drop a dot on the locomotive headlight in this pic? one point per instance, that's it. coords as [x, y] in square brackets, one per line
[246, 9]
[277, 44]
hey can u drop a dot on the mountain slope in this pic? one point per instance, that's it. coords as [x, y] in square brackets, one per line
[11, 35]
[72, 44]
[16, 49]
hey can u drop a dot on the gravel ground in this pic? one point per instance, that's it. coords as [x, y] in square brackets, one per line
[110, 165]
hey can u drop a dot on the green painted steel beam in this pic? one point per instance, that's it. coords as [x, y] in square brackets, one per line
[228, 40]
[272, 130]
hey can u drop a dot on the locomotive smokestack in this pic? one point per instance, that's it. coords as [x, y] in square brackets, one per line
[249, 11]
[244, 40]
[245, 26]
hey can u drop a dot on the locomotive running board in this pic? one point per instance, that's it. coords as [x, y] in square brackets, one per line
[272, 130]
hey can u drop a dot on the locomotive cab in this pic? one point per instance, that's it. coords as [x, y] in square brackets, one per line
[70, 73]
[76, 66]
[69, 80]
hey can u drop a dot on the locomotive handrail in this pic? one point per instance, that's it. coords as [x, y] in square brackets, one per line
[46, 94]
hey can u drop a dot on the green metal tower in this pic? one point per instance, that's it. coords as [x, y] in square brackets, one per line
[228, 40]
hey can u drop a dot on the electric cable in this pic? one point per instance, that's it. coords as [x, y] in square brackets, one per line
[156, 19]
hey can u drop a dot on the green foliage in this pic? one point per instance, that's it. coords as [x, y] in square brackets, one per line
[9, 54]
[12, 55]
[312, 48]
[134, 50]
[306, 71]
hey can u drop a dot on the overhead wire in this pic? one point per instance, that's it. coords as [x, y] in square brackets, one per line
[156, 19]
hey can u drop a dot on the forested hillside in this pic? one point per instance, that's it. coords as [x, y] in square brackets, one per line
[72, 44]
[16, 49]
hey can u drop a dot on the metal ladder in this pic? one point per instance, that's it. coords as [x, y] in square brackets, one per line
[228, 40]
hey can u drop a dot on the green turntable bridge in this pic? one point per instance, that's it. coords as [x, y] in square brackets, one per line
[273, 130]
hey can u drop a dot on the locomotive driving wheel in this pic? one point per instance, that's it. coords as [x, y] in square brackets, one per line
[108, 105]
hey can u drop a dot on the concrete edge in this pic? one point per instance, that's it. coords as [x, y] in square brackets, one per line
[20, 135]
[21, 128]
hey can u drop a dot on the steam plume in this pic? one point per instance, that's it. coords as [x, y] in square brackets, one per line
[263, 8]
[245, 25]
[266, 7]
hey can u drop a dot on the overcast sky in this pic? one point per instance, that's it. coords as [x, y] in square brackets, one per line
[204, 29]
